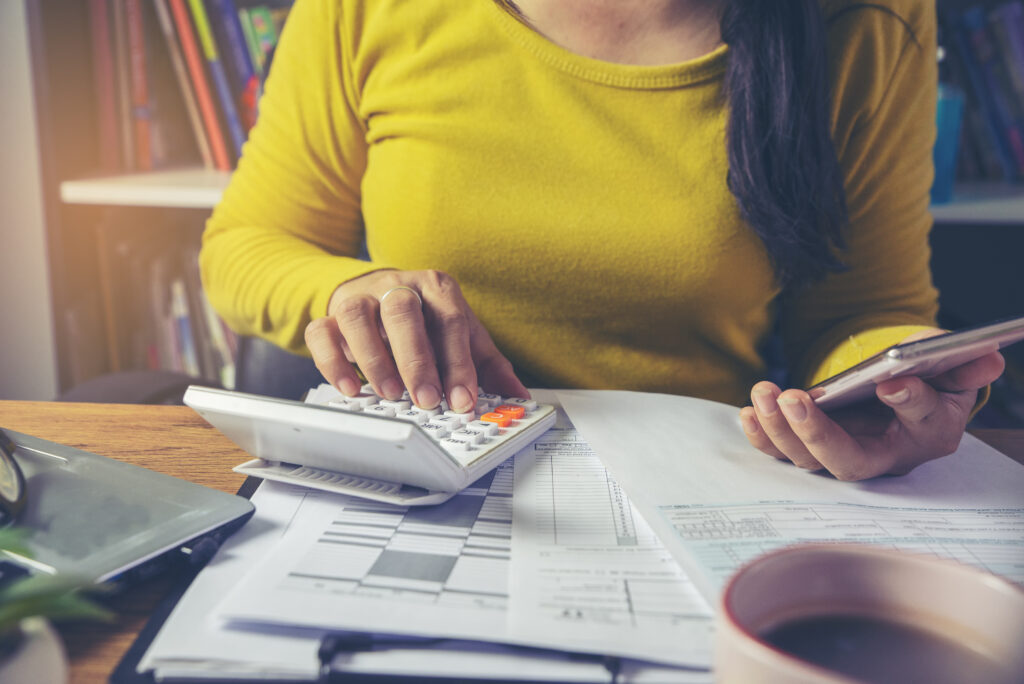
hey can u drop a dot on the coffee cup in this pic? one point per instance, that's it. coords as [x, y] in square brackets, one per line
[842, 613]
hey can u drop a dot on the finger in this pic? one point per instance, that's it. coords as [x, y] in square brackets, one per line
[933, 421]
[765, 398]
[358, 319]
[449, 327]
[972, 375]
[402, 318]
[828, 443]
[325, 343]
[494, 370]
[756, 436]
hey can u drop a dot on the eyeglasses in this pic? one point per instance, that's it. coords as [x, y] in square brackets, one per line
[12, 481]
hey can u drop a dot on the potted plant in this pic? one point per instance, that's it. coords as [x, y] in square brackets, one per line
[30, 650]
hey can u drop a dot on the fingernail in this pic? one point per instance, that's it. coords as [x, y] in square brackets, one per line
[349, 387]
[392, 389]
[749, 424]
[793, 409]
[460, 399]
[765, 402]
[897, 397]
[427, 397]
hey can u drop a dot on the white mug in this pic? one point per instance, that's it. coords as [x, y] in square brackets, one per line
[843, 613]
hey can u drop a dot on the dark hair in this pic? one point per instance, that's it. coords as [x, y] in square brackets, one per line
[783, 169]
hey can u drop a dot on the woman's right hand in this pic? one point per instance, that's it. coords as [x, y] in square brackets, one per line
[409, 329]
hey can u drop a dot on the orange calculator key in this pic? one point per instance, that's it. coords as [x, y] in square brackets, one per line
[513, 412]
[499, 419]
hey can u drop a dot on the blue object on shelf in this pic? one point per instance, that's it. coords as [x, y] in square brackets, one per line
[949, 115]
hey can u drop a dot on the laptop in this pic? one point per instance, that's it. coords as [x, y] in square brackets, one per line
[102, 520]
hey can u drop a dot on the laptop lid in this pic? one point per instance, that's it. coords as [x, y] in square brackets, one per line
[98, 518]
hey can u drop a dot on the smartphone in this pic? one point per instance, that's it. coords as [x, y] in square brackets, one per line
[924, 358]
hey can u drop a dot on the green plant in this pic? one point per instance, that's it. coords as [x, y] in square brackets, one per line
[54, 597]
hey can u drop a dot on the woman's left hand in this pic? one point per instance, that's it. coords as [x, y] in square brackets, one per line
[913, 421]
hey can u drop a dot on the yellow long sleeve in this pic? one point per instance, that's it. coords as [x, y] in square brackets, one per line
[581, 205]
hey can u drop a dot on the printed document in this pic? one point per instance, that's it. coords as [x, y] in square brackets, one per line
[716, 502]
[443, 571]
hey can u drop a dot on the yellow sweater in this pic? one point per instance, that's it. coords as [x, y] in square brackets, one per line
[581, 205]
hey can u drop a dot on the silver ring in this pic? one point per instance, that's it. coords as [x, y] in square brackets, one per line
[402, 287]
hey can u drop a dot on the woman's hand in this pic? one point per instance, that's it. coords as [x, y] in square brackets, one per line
[913, 421]
[409, 329]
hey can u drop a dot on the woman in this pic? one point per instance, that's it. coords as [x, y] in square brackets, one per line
[631, 194]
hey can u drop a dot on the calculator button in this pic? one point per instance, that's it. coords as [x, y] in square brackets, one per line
[490, 399]
[434, 430]
[527, 404]
[398, 405]
[451, 423]
[499, 419]
[345, 405]
[471, 436]
[413, 416]
[364, 399]
[489, 429]
[461, 417]
[431, 412]
[513, 412]
[456, 445]
[380, 410]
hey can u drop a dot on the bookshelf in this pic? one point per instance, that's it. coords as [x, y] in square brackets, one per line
[91, 228]
[74, 217]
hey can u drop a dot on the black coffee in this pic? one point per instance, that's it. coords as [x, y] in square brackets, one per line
[875, 650]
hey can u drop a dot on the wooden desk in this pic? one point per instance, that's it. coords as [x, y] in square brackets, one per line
[176, 441]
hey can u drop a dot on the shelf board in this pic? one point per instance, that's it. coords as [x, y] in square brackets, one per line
[983, 204]
[190, 188]
[197, 188]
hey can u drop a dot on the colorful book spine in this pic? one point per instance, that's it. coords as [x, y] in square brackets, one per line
[243, 74]
[122, 59]
[973, 44]
[1007, 23]
[217, 75]
[139, 85]
[185, 87]
[264, 31]
[204, 98]
[105, 86]
[256, 55]
[181, 315]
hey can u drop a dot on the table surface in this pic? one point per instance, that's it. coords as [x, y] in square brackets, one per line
[176, 441]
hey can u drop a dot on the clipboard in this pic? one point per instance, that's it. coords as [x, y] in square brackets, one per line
[337, 646]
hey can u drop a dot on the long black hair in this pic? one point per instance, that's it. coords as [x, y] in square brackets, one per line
[783, 169]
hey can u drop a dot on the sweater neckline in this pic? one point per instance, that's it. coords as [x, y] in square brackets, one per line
[631, 76]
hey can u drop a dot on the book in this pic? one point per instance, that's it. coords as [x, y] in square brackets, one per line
[183, 328]
[137, 70]
[181, 77]
[986, 75]
[252, 45]
[105, 86]
[217, 75]
[245, 84]
[264, 32]
[197, 75]
[1007, 24]
[122, 60]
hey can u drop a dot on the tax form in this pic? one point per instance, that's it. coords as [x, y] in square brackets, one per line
[587, 567]
[716, 502]
[443, 571]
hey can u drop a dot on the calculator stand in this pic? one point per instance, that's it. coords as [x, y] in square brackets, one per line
[340, 483]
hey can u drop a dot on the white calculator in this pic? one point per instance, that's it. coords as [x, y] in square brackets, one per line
[371, 447]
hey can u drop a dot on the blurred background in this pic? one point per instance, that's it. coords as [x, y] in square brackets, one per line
[122, 119]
